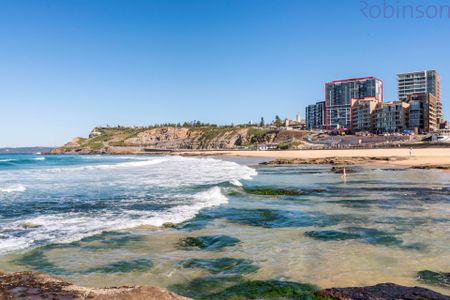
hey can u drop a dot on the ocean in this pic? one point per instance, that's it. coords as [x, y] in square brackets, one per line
[201, 225]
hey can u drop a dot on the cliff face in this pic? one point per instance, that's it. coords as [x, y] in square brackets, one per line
[138, 140]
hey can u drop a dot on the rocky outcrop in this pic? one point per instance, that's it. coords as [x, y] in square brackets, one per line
[428, 167]
[31, 285]
[382, 291]
[330, 161]
[145, 140]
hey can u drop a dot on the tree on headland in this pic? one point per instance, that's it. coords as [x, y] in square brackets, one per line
[278, 122]
[261, 123]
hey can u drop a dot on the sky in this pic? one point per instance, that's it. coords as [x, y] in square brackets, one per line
[68, 66]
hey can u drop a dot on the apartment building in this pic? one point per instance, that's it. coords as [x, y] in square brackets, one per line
[363, 118]
[315, 115]
[421, 82]
[391, 116]
[338, 95]
[422, 112]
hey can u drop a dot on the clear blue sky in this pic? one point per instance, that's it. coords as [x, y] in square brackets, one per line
[67, 66]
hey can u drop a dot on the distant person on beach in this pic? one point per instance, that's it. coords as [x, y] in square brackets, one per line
[410, 152]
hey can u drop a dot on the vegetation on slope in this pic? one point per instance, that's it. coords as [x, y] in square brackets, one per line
[187, 136]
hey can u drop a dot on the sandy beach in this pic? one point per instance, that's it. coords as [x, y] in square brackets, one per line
[401, 156]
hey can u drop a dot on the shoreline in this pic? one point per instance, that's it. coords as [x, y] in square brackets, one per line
[421, 158]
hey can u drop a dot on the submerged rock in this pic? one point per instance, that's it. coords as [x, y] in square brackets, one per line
[366, 235]
[31, 285]
[375, 236]
[223, 265]
[382, 291]
[331, 235]
[208, 243]
[237, 288]
[204, 287]
[434, 278]
[271, 218]
[124, 266]
[38, 261]
[110, 240]
[348, 170]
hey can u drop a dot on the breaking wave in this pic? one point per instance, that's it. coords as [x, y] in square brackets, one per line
[103, 193]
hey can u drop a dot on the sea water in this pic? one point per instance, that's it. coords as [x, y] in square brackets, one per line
[190, 223]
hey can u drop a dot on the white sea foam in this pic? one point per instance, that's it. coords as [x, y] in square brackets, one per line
[13, 189]
[39, 158]
[235, 182]
[7, 160]
[130, 185]
[69, 227]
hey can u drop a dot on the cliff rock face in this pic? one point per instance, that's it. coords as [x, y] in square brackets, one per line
[140, 140]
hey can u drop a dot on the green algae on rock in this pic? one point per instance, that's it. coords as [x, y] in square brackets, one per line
[270, 290]
[208, 243]
[434, 278]
[203, 287]
[223, 265]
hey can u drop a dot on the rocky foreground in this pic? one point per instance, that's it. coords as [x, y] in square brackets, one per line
[32, 285]
[383, 291]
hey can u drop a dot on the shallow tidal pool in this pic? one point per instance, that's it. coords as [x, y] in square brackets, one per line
[299, 224]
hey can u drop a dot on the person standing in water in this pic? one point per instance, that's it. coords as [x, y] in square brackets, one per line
[344, 175]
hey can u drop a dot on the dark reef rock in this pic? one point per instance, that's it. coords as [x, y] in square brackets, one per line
[330, 160]
[223, 265]
[263, 191]
[382, 291]
[348, 170]
[434, 278]
[208, 243]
